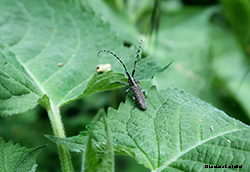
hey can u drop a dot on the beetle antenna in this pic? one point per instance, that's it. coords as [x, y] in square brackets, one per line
[107, 51]
[138, 53]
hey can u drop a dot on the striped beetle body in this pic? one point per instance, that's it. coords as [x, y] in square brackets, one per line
[138, 93]
[139, 96]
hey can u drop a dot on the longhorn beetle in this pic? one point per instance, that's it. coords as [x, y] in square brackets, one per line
[138, 93]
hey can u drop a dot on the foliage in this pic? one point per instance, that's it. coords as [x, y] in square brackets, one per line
[48, 56]
[177, 129]
[16, 158]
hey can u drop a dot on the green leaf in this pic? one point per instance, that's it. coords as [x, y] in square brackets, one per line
[148, 69]
[18, 92]
[75, 144]
[177, 132]
[107, 164]
[239, 18]
[55, 50]
[16, 158]
[107, 80]
[103, 82]
[177, 128]
[92, 162]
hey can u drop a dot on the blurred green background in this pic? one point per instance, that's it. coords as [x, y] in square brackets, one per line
[208, 41]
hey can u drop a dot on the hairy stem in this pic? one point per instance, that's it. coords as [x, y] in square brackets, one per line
[57, 126]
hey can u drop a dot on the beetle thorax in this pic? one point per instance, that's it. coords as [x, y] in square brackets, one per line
[131, 81]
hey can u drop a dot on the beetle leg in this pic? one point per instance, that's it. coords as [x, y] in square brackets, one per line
[128, 90]
[144, 93]
[122, 83]
[134, 102]
[134, 106]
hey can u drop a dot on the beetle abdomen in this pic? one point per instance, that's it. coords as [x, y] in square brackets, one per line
[139, 96]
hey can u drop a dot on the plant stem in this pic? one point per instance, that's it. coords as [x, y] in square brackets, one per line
[57, 126]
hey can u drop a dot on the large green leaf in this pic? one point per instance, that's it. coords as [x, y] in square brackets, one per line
[177, 132]
[56, 45]
[16, 158]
